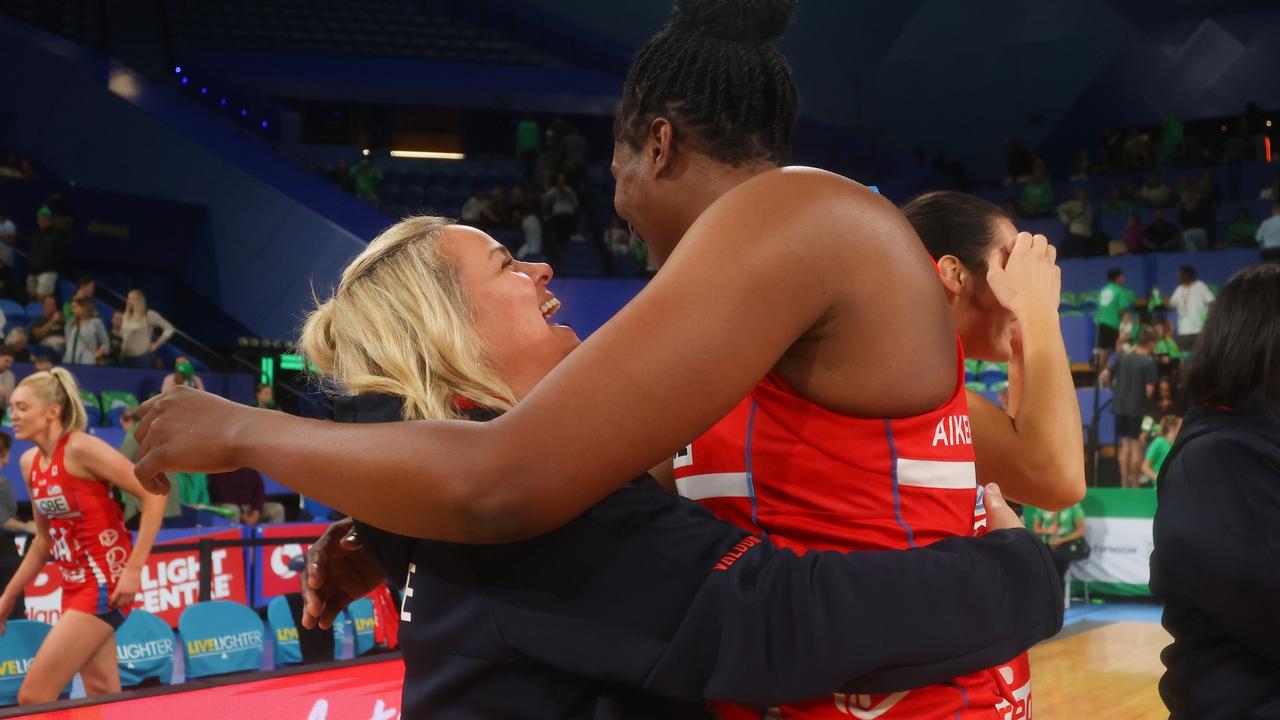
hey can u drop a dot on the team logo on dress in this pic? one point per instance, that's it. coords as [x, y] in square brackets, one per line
[864, 707]
[108, 537]
[55, 490]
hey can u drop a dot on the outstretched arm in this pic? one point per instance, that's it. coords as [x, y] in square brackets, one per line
[668, 366]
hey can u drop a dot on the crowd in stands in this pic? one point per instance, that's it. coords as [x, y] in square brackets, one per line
[1190, 214]
[1142, 352]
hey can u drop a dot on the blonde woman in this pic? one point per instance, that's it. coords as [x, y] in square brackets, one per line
[645, 590]
[137, 330]
[69, 476]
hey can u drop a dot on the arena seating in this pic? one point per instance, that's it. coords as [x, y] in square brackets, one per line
[144, 646]
[404, 29]
[18, 646]
[220, 637]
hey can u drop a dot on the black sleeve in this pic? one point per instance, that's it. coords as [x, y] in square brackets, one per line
[1217, 533]
[651, 590]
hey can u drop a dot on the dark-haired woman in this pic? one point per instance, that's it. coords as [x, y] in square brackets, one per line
[797, 276]
[1216, 564]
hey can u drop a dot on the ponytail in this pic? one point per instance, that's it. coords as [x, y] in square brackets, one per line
[59, 387]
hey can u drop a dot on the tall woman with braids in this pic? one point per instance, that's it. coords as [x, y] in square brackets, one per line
[799, 290]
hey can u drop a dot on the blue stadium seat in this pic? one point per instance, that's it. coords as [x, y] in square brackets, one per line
[284, 633]
[1106, 418]
[220, 637]
[12, 309]
[34, 310]
[144, 648]
[362, 620]
[991, 373]
[1078, 333]
[18, 646]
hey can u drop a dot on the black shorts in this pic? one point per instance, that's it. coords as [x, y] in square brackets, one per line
[1107, 338]
[1128, 426]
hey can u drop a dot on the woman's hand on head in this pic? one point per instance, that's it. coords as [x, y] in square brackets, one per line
[1025, 276]
[186, 430]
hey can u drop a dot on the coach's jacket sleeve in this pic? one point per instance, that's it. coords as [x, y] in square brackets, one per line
[658, 593]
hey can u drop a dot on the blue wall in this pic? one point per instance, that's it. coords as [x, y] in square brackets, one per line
[100, 125]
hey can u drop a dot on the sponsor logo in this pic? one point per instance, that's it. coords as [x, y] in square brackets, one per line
[683, 458]
[867, 707]
[952, 430]
[15, 668]
[1020, 707]
[280, 558]
[364, 625]
[55, 490]
[53, 505]
[108, 537]
[116, 559]
[224, 644]
[286, 634]
[738, 551]
[54, 472]
[320, 711]
[143, 651]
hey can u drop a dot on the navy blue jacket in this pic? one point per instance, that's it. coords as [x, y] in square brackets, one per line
[646, 605]
[1216, 564]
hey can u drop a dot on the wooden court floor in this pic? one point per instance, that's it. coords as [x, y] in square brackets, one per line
[1108, 672]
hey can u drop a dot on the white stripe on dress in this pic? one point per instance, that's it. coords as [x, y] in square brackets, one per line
[713, 485]
[942, 474]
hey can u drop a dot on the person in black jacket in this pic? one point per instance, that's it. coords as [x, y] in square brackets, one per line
[646, 604]
[1216, 563]
[46, 255]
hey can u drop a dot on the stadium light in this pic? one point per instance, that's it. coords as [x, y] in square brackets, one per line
[427, 155]
[177, 69]
[365, 152]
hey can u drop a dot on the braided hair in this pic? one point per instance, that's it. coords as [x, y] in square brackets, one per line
[714, 72]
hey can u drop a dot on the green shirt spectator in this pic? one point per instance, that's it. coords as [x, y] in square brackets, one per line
[528, 137]
[1159, 448]
[129, 449]
[1168, 346]
[1243, 232]
[1050, 525]
[366, 177]
[1157, 451]
[1111, 300]
[1037, 198]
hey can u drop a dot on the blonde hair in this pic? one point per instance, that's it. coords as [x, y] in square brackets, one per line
[14, 335]
[139, 308]
[400, 324]
[58, 387]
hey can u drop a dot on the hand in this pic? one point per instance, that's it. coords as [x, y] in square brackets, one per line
[338, 571]
[185, 430]
[1025, 277]
[999, 515]
[127, 588]
[154, 347]
[6, 608]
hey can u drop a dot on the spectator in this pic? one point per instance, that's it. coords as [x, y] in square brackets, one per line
[475, 208]
[1268, 235]
[1161, 235]
[1243, 232]
[138, 340]
[366, 177]
[1191, 301]
[1018, 163]
[496, 212]
[48, 251]
[243, 492]
[1133, 232]
[1197, 221]
[43, 363]
[1081, 168]
[1063, 532]
[1171, 138]
[1136, 152]
[264, 397]
[1128, 331]
[1216, 529]
[184, 373]
[129, 448]
[531, 229]
[1159, 448]
[87, 341]
[617, 239]
[47, 329]
[1155, 193]
[1166, 401]
[1112, 299]
[10, 524]
[1167, 353]
[563, 204]
[7, 380]
[342, 176]
[1133, 380]
[1037, 194]
[528, 138]
[1077, 215]
[16, 342]
[8, 238]
[1116, 203]
[85, 288]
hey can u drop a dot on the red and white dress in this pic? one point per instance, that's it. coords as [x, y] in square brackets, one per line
[809, 478]
[90, 543]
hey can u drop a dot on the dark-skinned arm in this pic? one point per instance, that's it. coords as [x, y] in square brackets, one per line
[744, 284]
